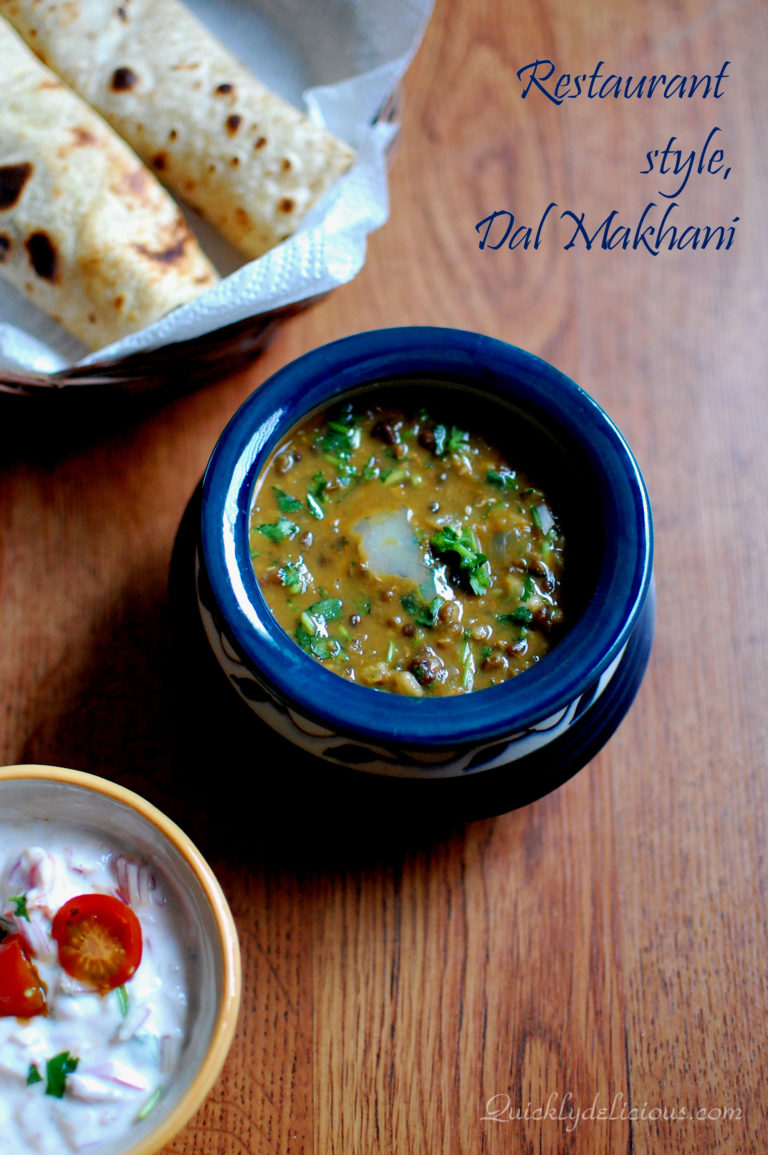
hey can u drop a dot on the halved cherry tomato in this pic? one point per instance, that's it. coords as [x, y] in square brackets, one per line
[99, 940]
[21, 990]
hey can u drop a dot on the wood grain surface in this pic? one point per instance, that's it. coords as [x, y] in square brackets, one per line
[602, 951]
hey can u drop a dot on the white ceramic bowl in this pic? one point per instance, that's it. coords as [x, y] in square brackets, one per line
[68, 798]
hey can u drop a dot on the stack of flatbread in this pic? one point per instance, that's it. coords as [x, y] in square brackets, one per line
[86, 228]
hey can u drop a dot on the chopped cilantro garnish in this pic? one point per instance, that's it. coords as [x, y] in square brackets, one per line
[340, 440]
[295, 576]
[394, 476]
[328, 608]
[519, 617]
[122, 999]
[528, 587]
[279, 530]
[312, 630]
[33, 1075]
[465, 545]
[320, 647]
[536, 516]
[56, 1071]
[314, 507]
[316, 495]
[502, 478]
[20, 906]
[286, 503]
[150, 1104]
[424, 613]
[458, 439]
[453, 440]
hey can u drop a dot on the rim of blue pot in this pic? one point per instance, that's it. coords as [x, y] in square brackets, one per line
[494, 368]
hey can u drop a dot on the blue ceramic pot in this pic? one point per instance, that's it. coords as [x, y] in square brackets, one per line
[582, 461]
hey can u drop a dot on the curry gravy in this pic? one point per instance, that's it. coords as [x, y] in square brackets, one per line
[405, 553]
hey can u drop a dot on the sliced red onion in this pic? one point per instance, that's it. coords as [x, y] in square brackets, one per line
[133, 1022]
[104, 1081]
[35, 935]
[135, 881]
[117, 1072]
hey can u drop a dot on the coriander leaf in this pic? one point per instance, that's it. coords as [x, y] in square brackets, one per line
[458, 440]
[122, 999]
[328, 608]
[466, 547]
[56, 1071]
[479, 579]
[502, 478]
[520, 616]
[424, 613]
[453, 440]
[20, 906]
[314, 507]
[316, 495]
[320, 647]
[279, 530]
[286, 503]
[295, 576]
[33, 1075]
[341, 439]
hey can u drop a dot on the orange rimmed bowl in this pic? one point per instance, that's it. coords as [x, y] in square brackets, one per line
[72, 799]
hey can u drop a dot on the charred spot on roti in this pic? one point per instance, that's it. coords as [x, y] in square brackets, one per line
[223, 89]
[234, 161]
[118, 302]
[260, 142]
[286, 204]
[13, 177]
[173, 134]
[168, 256]
[5, 246]
[136, 182]
[82, 136]
[43, 255]
[232, 123]
[160, 161]
[285, 164]
[242, 218]
[124, 79]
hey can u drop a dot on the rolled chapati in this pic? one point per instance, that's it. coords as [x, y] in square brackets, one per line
[86, 231]
[250, 163]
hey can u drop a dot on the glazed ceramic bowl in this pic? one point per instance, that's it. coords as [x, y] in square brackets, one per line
[581, 461]
[68, 799]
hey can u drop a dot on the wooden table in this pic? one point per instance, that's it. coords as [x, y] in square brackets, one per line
[484, 986]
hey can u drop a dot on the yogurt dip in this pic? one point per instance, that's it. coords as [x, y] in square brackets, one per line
[98, 1060]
